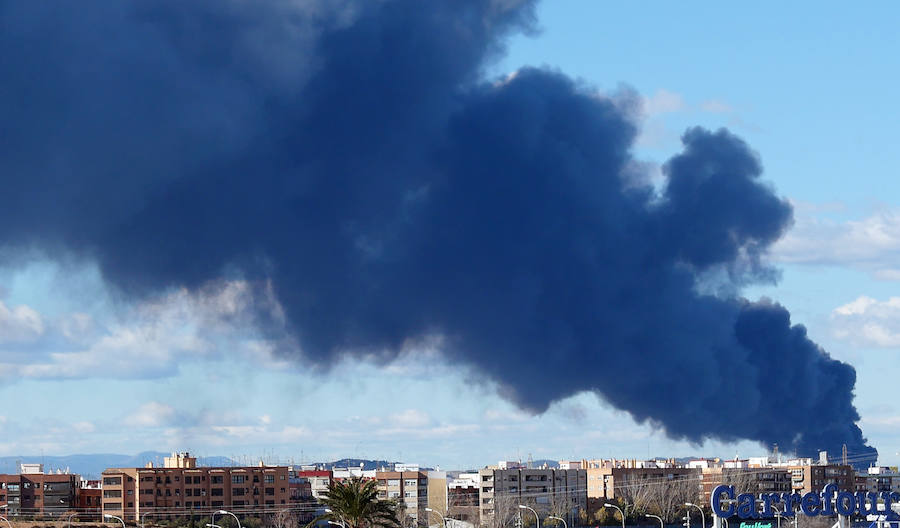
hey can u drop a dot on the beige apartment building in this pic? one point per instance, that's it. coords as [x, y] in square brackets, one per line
[180, 487]
[813, 477]
[409, 488]
[610, 479]
[559, 492]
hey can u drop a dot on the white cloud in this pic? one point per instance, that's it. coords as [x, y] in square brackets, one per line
[148, 340]
[868, 322]
[663, 102]
[411, 418]
[151, 414]
[716, 107]
[83, 427]
[20, 324]
[871, 244]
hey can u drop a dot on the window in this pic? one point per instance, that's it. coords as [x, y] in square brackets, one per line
[409, 482]
[112, 505]
[216, 492]
[269, 479]
[111, 481]
[238, 503]
[13, 487]
[216, 479]
[408, 494]
[131, 492]
[197, 480]
[178, 479]
[215, 503]
[238, 479]
[177, 492]
[393, 482]
[237, 491]
[281, 477]
[112, 494]
[255, 478]
[270, 491]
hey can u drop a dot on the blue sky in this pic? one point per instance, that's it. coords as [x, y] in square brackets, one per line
[811, 87]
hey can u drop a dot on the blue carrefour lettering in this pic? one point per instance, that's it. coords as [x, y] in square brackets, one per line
[716, 500]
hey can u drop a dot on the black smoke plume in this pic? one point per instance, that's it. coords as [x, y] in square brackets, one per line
[353, 153]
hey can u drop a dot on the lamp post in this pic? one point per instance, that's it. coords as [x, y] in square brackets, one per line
[608, 505]
[702, 515]
[108, 516]
[142, 518]
[223, 512]
[657, 517]
[565, 524]
[536, 518]
[69, 519]
[439, 514]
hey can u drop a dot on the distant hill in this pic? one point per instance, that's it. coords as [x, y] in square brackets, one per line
[91, 466]
[356, 462]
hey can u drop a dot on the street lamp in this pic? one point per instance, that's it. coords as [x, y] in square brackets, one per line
[565, 524]
[223, 512]
[661, 524]
[702, 515]
[536, 518]
[108, 516]
[69, 519]
[608, 505]
[443, 519]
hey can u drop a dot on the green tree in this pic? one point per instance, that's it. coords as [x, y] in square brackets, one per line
[355, 503]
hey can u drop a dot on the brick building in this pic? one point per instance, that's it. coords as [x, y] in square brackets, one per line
[38, 493]
[180, 487]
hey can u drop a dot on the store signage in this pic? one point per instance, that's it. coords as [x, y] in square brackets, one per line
[725, 503]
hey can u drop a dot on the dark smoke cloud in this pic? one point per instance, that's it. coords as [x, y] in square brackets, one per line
[352, 153]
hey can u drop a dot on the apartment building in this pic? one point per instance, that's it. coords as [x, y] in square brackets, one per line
[462, 497]
[88, 500]
[610, 479]
[561, 492]
[181, 487]
[409, 488]
[33, 492]
[311, 478]
[812, 477]
[879, 479]
[753, 480]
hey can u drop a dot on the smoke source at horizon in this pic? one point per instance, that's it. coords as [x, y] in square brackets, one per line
[353, 153]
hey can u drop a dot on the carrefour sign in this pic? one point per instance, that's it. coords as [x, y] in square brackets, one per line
[724, 503]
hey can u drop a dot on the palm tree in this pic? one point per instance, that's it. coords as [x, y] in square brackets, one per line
[355, 504]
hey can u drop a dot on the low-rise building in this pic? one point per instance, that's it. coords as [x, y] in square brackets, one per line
[181, 486]
[560, 492]
[409, 488]
[34, 492]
